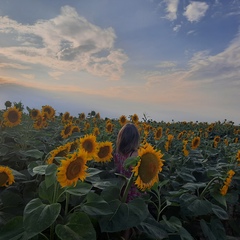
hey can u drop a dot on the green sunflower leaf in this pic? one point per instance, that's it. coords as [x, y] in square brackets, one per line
[78, 227]
[131, 162]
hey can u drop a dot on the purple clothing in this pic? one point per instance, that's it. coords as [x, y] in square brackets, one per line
[118, 162]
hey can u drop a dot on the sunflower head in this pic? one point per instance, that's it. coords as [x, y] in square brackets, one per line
[89, 145]
[39, 122]
[65, 117]
[148, 168]
[180, 135]
[6, 176]
[135, 118]
[109, 127]
[82, 116]
[122, 120]
[35, 114]
[61, 151]
[104, 152]
[96, 131]
[195, 142]
[12, 117]
[48, 111]
[216, 139]
[158, 133]
[75, 129]
[97, 116]
[238, 155]
[67, 130]
[72, 169]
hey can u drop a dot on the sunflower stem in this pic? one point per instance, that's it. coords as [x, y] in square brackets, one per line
[207, 187]
[66, 203]
[126, 190]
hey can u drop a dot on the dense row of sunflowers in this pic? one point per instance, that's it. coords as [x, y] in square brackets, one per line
[170, 157]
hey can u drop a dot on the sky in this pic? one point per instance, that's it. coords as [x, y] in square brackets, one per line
[168, 60]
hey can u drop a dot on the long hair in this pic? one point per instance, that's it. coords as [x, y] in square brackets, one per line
[127, 139]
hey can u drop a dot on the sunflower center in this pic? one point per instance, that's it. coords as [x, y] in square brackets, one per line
[103, 151]
[47, 110]
[73, 169]
[67, 130]
[88, 146]
[148, 167]
[13, 116]
[62, 153]
[3, 178]
[158, 134]
[34, 113]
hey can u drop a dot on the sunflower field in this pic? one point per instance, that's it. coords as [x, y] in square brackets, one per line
[58, 179]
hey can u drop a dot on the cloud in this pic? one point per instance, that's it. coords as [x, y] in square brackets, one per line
[177, 28]
[171, 9]
[14, 66]
[68, 42]
[28, 76]
[195, 11]
[55, 74]
[166, 64]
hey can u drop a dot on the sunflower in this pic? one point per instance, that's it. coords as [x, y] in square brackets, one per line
[75, 129]
[216, 139]
[72, 169]
[6, 176]
[35, 114]
[86, 126]
[158, 133]
[67, 130]
[122, 120]
[65, 117]
[227, 182]
[97, 116]
[88, 144]
[12, 117]
[109, 127]
[170, 137]
[74, 145]
[48, 111]
[77, 121]
[238, 156]
[135, 118]
[104, 152]
[82, 116]
[210, 128]
[167, 145]
[96, 131]
[39, 122]
[148, 167]
[195, 142]
[185, 151]
[180, 135]
[61, 151]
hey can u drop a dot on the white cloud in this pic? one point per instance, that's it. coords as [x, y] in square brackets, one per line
[13, 65]
[28, 76]
[171, 9]
[55, 74]
[166, 64]
[177, 28]
[68, 42]
[195, 11]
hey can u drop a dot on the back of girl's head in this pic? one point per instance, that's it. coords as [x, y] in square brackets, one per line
[128, 139]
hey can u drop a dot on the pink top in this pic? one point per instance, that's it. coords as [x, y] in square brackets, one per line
[118, 161]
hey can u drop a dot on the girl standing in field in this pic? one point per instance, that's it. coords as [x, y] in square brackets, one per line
[127, 144]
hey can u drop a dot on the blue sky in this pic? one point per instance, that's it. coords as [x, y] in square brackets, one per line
[167, 59]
